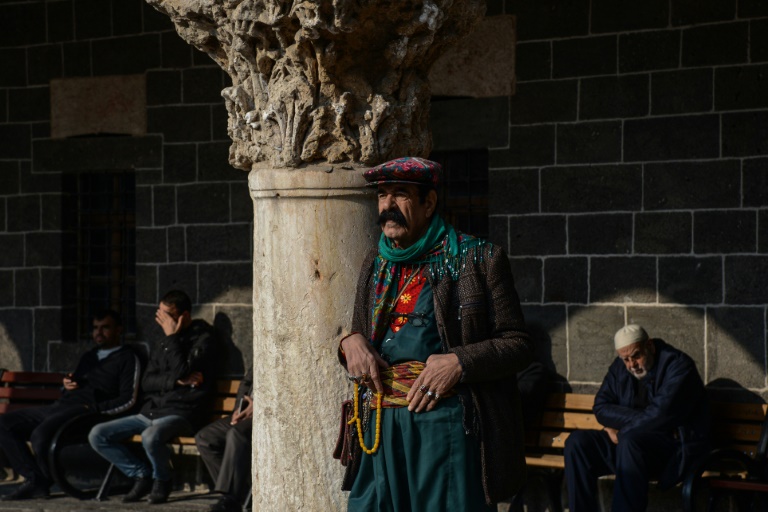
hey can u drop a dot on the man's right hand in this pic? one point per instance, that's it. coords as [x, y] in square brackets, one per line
[613, 434]
[363, 360]
[166, 321]
[243, 413]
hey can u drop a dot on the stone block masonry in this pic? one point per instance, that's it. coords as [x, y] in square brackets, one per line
[193, 215]
[634, 184]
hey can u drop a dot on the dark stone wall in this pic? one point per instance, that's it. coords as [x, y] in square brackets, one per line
[194, 214]
[632, 180]
[629, 175]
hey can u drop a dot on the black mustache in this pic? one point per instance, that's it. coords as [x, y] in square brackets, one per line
[394, 215]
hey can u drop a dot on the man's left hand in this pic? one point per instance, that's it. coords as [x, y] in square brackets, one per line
[440, 374]
[613, 434]
[69, 383]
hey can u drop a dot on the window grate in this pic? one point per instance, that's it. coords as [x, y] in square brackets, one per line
[100, 258]
[463, 197]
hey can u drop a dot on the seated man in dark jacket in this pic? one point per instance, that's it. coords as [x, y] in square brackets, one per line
[655, 414]
[106, 381]
[178, 387]
[225, 446]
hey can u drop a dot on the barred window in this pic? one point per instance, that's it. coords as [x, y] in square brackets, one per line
[463, 198]
[99, 225]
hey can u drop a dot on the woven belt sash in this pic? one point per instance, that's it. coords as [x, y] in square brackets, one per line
[398, 381]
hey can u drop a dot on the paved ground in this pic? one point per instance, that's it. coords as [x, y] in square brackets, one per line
[180, 501]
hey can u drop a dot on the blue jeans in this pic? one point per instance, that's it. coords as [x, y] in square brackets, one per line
[106, 439]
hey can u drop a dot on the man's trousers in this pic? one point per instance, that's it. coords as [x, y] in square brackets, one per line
[107, 440]
[37, 425]
[226, 451]
[638, 458]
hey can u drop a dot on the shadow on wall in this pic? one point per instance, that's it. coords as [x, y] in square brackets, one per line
[574, 342]
[231, 362]
[235, 338]
[728, 389]
[543, 355]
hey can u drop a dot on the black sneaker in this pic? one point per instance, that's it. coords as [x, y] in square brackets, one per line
[141, 487]
[227, 503]
[29, 490]
[160, 491]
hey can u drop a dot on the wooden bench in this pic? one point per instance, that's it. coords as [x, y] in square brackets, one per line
[28, 389]
[562, 414]
[223, 405]
[736, 427]
[738, 466]
[72, 439]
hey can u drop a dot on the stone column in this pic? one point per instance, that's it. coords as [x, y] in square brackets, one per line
[310, 231]
[320, 90]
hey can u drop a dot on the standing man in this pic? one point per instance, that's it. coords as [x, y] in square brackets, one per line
[438, 330]
[225, 446]
[106, 381]
[178, 386]
[655, 414]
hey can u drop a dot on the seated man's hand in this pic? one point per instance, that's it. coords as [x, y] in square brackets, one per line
[68, 383]
[363, 361]
[613, 434]
[243, 413]
[194, 379]
[441, 373]
[166, 321]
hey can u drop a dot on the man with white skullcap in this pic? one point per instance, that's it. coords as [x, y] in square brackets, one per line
[653, 407]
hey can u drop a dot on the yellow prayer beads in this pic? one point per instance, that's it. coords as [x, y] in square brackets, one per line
[356, 418]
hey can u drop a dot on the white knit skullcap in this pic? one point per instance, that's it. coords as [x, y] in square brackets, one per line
[628, 335]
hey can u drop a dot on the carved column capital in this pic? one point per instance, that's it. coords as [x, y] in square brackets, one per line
[324, 80]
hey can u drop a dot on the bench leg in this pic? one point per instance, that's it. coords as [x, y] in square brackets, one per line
[248, 499]
[554, 484]
[516, 504]
[103, 494]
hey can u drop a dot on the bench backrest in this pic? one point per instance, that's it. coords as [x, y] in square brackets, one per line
[562, 414]
[741, 426]
[27, 389]
[226, 395]
[223, 404]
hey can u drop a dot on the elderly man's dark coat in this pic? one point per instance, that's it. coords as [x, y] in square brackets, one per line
[480, 320]
[677, 405]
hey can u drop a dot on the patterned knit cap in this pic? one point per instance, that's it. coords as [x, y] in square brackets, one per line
[418, 171]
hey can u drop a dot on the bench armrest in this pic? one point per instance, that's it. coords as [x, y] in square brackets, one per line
[72, 432]
[723, 462]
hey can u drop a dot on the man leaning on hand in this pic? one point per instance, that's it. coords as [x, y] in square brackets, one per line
[654, 408]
